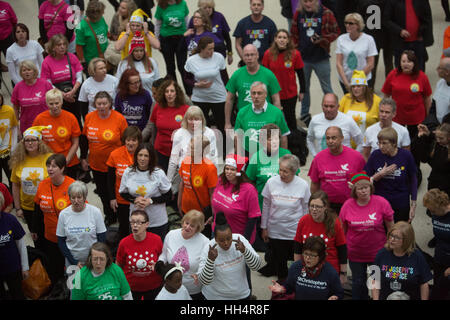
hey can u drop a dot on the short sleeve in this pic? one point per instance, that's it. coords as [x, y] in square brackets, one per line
[60, 232]
[124, 285]
[253, 202]
[212, 176]
[83, 96]
[298, 63]
[313, 173]
[387, 86]
[238, 31]
[99, 223]
[427, 91]
[339, 233]
[164, 183]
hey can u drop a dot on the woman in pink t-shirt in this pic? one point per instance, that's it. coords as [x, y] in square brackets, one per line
[64, 71]
[8, 20]
[28, 96]
[166, 118]
[237, 198]
[365, 218]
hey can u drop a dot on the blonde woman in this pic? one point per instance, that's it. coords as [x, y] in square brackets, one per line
[355, 50]
[193, 123]
[28, 170]
[28, 96]
[402, 265]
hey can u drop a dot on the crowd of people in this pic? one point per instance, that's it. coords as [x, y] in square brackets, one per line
[89, 105]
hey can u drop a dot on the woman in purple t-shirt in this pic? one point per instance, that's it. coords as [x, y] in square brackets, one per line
[364, 217]
[219, 27]
[237, 198]
[28, 96]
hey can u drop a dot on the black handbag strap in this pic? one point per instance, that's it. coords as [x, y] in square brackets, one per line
[192, 185]
[70, 67]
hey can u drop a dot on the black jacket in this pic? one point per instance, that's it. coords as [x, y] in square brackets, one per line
[394, 18]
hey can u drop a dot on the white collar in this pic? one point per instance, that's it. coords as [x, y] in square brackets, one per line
[264, 109]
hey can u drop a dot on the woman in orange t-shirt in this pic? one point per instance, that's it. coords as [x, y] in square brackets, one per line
[103, 129]
[198, 181]
[51, 198]
[63, 137]
[118, 161]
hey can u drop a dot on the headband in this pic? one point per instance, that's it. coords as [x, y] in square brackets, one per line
[177, 267]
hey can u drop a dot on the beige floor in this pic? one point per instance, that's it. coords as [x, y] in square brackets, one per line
[234, 10]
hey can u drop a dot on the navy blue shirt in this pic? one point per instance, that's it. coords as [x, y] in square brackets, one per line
[406, 273]
[135, 108]
[321, 287]
[441, 230]
[396, 187]
[260, 34]
[308, 24]
[10, 231]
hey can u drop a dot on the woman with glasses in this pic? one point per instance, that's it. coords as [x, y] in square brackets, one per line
[137, 255]
[402, 266]
[355, 50]
[28, 168]
[80, 225]
[323, 222]
[365, 218]
[132, 100]
[311, 277]
[101, 278]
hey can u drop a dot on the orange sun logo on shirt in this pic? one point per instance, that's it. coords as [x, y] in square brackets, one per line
[61, 131]
[108, 134]
[197, 181]
[61, 204]
[141, 190]
[34, 177]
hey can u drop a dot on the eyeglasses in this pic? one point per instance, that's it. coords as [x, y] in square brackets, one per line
[309, 255]
[30, 140]
[394, 237]
[197, 17]
[349, 23]
[133, 83]
[137, 223]
[315, 207]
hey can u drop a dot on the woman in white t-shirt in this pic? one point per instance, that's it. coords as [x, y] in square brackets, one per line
[222, 269]
[355, 50]
[206, 74]
[285, 201]
[22, 49]
[173, 288]
[193, 123]
[184, 247]
[98, 81]
[80, 225]
[146, 187]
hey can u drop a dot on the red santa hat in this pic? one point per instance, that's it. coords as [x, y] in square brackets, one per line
[237, 162]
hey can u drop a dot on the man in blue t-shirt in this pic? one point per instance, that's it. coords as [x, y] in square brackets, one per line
[256, 29]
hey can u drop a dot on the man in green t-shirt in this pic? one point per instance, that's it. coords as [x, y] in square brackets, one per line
[251, 118]
[242, 79]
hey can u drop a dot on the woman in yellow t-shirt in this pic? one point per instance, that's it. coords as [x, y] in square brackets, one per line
[361, 103]
[28, 170]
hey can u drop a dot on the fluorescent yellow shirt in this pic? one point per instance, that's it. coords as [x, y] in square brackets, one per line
[8, 120]
[126, 48]
[28, 175]
[358, 111]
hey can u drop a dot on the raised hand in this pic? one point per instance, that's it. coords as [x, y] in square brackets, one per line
[212, 253]
[239, 245]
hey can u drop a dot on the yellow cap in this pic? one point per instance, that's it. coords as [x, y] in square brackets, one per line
[358, 78]
[138, 16]
[35, 131]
